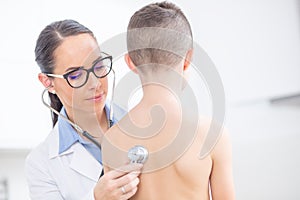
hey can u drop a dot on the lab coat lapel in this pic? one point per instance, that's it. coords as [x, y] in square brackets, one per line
[54, 144]
[84, 163]
[81, 160]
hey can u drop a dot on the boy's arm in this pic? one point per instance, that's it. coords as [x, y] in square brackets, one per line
[221, 179]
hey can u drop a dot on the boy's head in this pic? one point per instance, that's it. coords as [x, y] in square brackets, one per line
[158, 34]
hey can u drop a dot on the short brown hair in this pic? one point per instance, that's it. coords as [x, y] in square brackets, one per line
[158, 33]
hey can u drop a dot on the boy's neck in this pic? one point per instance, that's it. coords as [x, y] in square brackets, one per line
[158, 93]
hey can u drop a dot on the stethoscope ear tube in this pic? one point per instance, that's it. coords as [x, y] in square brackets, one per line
[84, 133]
[91, 138]
[111, 111]
[59, 114]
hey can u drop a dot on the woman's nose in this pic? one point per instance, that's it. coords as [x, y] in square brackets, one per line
[93, 81]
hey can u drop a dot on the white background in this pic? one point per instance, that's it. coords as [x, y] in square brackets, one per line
[255, 45]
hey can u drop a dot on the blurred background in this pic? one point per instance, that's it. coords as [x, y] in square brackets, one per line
[254, 44]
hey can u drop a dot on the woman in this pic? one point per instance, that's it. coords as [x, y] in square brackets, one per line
[67, 165]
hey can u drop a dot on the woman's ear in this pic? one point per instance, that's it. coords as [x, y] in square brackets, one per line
[188, 59]
[130, 64]
[47, 82]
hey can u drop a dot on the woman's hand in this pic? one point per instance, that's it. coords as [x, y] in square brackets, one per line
[119, 184]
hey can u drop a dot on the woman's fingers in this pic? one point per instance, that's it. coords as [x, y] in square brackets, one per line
[130, 185]
[120, 183]
[129, 189]
[129, 194]
[113, 174]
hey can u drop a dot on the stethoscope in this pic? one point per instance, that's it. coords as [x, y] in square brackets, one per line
[136, 154]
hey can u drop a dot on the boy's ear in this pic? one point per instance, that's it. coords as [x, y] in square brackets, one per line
[188, 59]
[130, 64]
[46, 81]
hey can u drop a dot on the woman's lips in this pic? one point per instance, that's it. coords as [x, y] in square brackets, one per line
[97, 98]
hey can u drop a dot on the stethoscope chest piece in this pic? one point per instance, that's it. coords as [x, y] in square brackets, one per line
[138, 154]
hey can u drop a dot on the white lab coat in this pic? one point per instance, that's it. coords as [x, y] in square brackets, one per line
[70, 175]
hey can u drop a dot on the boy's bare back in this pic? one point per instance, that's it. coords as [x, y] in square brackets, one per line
[184, 176]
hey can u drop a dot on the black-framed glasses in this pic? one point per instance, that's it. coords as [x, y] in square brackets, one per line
[79, 76]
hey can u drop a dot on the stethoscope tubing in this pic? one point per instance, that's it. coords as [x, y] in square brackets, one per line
[76, 126]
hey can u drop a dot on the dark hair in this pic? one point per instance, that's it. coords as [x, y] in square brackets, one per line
[158, 33]
[48, 41]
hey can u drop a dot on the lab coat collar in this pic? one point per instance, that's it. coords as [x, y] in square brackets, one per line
[81, 161]
[54, 147]
[84, 163]
[54, 143]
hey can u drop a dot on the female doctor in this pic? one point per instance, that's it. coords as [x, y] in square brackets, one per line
[67, 165]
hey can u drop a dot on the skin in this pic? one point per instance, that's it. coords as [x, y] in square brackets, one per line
[187, 177]
[85, 107]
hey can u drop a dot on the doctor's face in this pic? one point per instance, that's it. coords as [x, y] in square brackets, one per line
[80, 53]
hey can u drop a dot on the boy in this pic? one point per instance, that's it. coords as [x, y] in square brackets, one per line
[159, 42]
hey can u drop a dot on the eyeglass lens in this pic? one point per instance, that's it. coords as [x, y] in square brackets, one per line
[79, 77]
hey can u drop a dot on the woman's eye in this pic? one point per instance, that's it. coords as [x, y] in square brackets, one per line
[75, 75]
[99, 68]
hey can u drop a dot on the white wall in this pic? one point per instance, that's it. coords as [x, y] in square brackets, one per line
[265, 140]
[12, 169]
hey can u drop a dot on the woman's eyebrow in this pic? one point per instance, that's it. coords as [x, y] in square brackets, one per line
[72, 68]
[97, 59]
